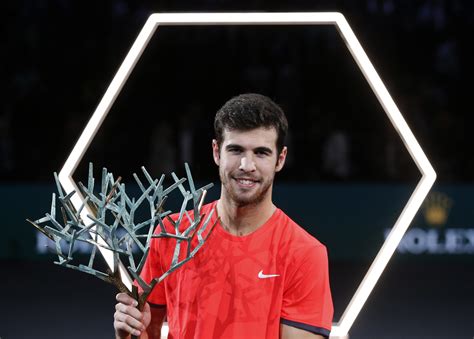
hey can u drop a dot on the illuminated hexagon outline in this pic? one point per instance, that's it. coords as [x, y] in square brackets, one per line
[342, 327]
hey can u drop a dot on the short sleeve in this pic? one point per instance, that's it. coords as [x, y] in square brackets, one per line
[153, 269]
[307, 302]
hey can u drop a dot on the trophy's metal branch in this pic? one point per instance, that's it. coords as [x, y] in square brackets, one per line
[114, 220]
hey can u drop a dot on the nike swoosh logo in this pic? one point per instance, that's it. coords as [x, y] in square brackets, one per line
[264, 276]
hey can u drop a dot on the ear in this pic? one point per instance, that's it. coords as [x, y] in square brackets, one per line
[281, 159]
[215, 151]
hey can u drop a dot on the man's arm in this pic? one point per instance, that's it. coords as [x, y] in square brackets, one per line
[290, 332]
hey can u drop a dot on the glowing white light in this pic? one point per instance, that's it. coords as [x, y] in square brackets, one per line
[180, 19]
[164, 330]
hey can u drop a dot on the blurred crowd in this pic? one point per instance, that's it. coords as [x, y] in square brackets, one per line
[53, 78]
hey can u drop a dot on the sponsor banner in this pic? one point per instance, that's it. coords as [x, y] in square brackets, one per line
[430, 241]
[434, 234]
[352, 220]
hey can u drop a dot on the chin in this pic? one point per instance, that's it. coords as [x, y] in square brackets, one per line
[242, 201]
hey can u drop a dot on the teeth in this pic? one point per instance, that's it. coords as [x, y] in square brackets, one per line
[246, 182]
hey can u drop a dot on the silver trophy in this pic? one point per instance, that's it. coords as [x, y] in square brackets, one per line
[113, 225]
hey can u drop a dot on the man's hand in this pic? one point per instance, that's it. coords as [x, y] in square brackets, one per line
[128, 319]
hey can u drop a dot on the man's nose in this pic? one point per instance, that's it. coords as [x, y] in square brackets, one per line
[247, 164]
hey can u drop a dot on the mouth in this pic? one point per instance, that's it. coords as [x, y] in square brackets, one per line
[246, 182]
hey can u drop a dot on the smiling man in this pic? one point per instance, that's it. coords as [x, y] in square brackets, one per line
[259, 275]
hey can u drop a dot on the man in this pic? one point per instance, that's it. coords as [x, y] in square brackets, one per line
[259, 275]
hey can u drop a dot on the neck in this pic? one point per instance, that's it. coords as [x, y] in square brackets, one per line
[243, 220]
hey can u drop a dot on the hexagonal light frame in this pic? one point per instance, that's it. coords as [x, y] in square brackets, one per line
[342, 327]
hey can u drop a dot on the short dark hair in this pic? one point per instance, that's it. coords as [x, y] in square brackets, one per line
[249, 111]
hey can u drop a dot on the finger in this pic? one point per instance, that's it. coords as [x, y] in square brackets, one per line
[121, 327]
[129, 310]
[146, 308]
[127, 321]
[124, 298]
[146, 315]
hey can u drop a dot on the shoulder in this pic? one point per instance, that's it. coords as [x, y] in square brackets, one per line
[298, 244]
[306, 262]
[296, 234]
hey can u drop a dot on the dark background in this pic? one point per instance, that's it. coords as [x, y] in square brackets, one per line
[58, 57]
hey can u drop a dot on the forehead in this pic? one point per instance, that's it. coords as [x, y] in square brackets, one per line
[252, 138]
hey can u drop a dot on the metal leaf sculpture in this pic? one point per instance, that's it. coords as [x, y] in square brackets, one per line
[112, 225]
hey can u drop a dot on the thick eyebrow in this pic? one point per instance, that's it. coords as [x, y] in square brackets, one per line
[263, 149]
[233, 146]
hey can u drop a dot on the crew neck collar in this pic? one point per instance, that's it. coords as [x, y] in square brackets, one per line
[262, 229]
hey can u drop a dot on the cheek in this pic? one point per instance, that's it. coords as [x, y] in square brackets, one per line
[224, 165]
[266, 167]
[230, 162]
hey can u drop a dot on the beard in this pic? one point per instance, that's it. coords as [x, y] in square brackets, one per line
[243, 197]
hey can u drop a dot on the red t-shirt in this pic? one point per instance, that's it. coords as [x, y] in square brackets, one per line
[244, 287]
